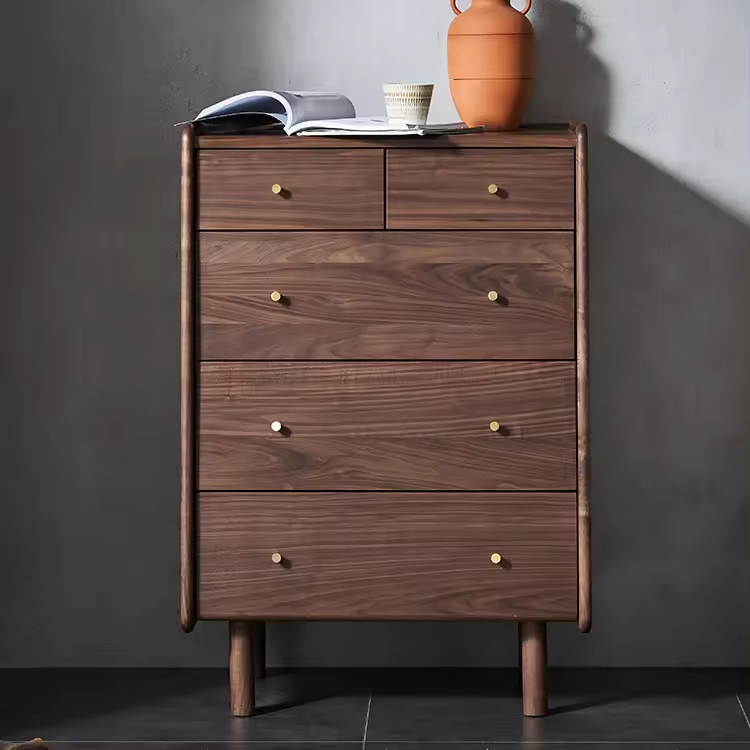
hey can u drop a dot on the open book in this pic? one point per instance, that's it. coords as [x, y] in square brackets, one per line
[291, 108]
[310, 113]
[377, 126]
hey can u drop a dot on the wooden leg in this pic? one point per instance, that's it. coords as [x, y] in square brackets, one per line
[533, 637]
[260, 650]
[241, 668]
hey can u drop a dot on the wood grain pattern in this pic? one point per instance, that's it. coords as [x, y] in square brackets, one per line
[388, 426]
[334, 189]
[543, 136]
[241, 668]
[533, 637]
[434, 189]
[187, 378]
[582, 357]
[247, 249]
[387, 295]
[390, 556]
[386, 492]
[390, 464]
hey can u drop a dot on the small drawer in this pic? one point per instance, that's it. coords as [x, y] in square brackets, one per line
[387, 556]
[386, 295]
[278, 189]
[388, 426]
[481, 189]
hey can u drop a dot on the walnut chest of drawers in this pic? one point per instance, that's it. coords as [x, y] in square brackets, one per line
[384, 385]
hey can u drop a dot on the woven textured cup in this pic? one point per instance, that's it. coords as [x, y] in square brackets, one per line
[408, 103]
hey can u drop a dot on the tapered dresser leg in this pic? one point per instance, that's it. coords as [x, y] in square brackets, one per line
[242, 667]
[260, 650]
[533, 638]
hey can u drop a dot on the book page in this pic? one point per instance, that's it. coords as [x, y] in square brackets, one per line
[313, 105]
[288, 107]
[268, 103]
[350, 124]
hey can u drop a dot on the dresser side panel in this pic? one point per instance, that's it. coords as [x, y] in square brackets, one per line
[187, 381]
[582, 360]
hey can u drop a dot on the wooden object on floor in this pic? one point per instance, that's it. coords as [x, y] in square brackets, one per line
[533, 637]
[385, 384]
[242, 667]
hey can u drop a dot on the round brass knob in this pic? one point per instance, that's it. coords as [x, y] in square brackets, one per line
[276, 426]
[276, 558]
[496, 559]
[277, 189]
[493, 189]
[493, 296]
[495, 426]
[277, 296]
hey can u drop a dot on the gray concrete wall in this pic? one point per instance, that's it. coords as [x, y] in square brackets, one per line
[89, 316]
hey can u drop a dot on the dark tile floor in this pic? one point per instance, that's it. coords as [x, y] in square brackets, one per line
[376, 710]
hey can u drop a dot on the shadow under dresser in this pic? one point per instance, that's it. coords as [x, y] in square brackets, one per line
[385, 385]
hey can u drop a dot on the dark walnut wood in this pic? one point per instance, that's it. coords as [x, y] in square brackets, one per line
[387, 295]
[388, 556]
[543, 136]
[533, 639]
[242, 668]
[438, 189]
[582, 358]
[384, 491]
[334, 189]
[388, 426]
[188, 367]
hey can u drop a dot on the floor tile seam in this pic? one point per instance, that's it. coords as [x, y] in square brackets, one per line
[742, 708]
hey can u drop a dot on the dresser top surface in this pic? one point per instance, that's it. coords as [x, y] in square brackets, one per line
[532, 136]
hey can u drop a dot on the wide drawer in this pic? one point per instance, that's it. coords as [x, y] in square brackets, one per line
[315, 189]
[388, 426]
[387, 295]
[451, 189]
[389, 556]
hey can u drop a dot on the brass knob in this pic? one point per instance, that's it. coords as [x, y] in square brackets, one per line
[276, 426]
[496, 559]
[277, 189]
[495, 426]
[493, 189]
[493, 296]
[276, 558]
[277, 296]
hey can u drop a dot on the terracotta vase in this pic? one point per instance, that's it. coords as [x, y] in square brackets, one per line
[491, 63]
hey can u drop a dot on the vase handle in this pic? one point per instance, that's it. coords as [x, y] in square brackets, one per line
[458, 12]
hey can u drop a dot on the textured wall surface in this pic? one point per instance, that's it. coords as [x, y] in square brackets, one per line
[89, 314]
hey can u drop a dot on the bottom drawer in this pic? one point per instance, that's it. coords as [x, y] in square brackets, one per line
[375, 556]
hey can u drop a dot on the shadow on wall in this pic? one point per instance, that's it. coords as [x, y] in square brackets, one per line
[669, 311]
[669, 402]
[572, 83]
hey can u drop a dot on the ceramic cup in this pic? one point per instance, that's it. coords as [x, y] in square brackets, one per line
[408, 103]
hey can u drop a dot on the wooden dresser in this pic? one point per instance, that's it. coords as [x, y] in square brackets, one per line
[384, 385]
